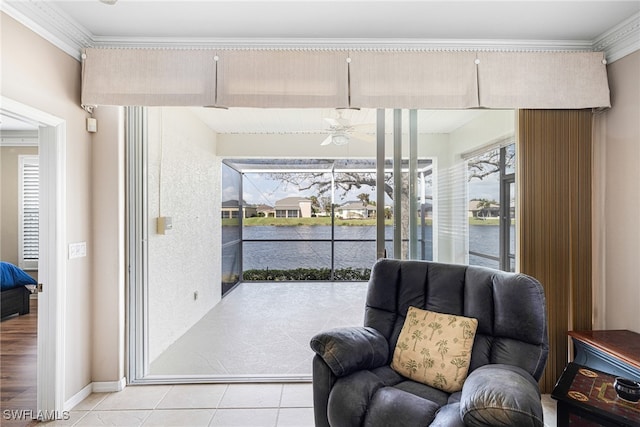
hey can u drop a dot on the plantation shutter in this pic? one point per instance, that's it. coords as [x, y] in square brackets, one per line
[29, 212]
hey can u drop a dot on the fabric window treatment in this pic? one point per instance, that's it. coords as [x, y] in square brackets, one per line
[542, 80]
[148, 77]
[283, 79]
[389, 79]
[335, 78]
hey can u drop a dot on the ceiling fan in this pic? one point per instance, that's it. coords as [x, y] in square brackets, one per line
[341, 131]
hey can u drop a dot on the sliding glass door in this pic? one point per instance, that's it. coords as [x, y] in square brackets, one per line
[239, 205]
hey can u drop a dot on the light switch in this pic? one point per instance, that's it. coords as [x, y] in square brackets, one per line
[77, 250]
[165, 224]
[92, 125]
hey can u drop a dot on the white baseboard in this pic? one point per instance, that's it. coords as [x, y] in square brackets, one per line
[95, 387]
[78, 397]
[109, 386]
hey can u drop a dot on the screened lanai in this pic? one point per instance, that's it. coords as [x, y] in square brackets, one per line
[200, 312]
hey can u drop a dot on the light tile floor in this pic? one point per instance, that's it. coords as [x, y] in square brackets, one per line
[237, 405]
[263, 329]
[232, 405]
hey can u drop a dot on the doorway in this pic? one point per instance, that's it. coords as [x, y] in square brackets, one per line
[51, 266]
[176, 172]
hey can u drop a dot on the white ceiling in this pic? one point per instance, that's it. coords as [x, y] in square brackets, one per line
[379, 23]
[312, 120]
[350, 19]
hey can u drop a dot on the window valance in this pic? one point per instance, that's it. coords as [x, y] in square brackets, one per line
[538, 80]
[149, 77]
[282, 78]
[408, 79]
[306, 78]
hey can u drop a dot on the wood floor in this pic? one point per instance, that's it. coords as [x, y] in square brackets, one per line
[18, 355]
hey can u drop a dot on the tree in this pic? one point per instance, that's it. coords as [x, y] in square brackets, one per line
[321, 181]
[459, 363]
[364, 198]
[435, 326]
[484, 207]
[315, 205]
[488, 163]
[349, 181]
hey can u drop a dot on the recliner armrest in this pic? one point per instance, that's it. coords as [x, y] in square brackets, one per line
[349, 349]
[501, 395]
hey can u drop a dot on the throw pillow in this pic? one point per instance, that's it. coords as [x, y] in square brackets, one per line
[435, 348]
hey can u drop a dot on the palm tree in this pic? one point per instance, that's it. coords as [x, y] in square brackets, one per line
[402, 346]
[459, 363]
[427, 361]
[412, 366]
[442, 347]
[413, 320]
[434, 327]
[440, 381]
[364, 198]
[467, 333]
[417, 336]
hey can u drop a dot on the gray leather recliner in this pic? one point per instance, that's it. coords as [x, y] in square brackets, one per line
[354, 385]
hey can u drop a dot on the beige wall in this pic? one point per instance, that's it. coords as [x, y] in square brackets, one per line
[36, 73]
[618, 174]
[108, 246]
[9, 201]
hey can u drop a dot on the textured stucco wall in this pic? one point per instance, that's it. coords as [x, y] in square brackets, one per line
[184, 184]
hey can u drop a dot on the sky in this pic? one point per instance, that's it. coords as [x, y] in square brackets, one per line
[259, 189]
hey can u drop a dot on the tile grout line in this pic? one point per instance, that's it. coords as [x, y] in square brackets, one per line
[279, 405]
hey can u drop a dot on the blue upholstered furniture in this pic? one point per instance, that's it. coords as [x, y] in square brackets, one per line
[354, 385]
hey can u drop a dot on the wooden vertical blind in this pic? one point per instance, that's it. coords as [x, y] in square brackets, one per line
[555, 217]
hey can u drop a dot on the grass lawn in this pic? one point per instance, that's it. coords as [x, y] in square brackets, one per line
[321, 220]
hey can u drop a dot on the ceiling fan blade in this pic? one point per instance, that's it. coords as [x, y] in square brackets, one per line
[339, 122]
[327, 140]
[332, 122]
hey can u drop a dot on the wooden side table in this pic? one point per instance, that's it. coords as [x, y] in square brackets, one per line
[616, 351]
[586, 397]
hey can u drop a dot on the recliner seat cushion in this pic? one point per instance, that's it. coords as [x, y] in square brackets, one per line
[374, 397]
[393, 407]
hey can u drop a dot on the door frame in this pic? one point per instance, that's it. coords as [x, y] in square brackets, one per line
[52, 260]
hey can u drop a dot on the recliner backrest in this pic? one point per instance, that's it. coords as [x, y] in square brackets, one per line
[510, 307]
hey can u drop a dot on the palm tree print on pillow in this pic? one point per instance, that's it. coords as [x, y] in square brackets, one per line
[435, 348]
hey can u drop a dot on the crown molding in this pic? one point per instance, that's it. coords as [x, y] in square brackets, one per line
[344, 44]
[620, 40]
[50, 22]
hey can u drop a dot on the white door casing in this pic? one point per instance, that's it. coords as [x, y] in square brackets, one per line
[52, 262]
